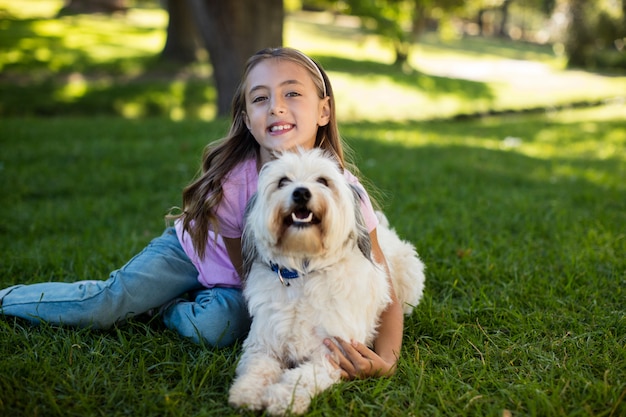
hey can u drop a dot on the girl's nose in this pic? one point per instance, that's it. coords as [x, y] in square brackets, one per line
[277, 105]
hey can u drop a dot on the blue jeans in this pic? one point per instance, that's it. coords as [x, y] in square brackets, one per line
[155, 278]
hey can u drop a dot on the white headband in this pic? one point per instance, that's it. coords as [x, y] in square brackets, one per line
[319, 71]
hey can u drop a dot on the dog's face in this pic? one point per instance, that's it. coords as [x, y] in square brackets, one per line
[304, 206]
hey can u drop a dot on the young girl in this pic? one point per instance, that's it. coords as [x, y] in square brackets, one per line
[191, 272]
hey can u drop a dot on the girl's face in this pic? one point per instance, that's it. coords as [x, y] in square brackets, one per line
[283, 109]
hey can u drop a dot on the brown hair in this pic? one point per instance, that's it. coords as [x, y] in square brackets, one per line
[204, 194]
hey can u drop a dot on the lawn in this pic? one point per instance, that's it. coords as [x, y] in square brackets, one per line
[520, 219]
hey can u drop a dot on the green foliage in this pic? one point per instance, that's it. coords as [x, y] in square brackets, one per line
[395, 20]
[595, 35]
[518, 219]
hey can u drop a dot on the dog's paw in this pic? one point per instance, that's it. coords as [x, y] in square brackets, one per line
[281, 399]
[246, 396]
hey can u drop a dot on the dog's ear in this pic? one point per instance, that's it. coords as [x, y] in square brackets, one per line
[248, 246]
[362, 235]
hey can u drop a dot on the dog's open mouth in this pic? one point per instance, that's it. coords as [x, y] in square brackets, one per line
[301, 217]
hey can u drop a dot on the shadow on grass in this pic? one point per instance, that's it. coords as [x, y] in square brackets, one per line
[135, 97]
[45, 76]
[160, 94]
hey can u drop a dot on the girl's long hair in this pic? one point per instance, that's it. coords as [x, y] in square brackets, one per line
[204, 194]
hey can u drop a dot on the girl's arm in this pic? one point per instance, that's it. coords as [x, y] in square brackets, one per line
[233, 247]
[361, 362]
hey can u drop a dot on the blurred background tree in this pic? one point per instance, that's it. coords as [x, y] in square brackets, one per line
[591, 33]
[230, 31]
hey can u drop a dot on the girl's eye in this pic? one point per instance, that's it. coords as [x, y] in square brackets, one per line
[258, 99]
[323, 181]
[293, 94]
[283, 181]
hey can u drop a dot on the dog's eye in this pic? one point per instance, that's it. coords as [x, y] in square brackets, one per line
[283, 181]
[323, 181]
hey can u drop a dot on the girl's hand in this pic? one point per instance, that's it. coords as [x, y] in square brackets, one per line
[359, 361]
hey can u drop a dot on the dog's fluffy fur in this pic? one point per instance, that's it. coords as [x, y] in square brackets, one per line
[305, 217]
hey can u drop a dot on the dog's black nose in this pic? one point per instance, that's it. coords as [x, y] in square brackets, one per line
[301, 195]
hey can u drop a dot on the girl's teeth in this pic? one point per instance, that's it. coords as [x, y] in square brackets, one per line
[281, 127]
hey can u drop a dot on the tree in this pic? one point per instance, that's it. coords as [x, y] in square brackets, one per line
[230, 31]
[183, 40]
[594, 34]
[399, 21]
[504, 9]
[578, 38]
[389, 18]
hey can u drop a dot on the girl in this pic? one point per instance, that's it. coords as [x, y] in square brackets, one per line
[284, 101]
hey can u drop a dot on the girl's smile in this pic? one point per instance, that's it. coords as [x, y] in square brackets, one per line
[278, 128]
[283, 107]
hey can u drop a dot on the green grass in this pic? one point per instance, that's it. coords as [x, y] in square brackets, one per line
[524, 241]
[521, 220]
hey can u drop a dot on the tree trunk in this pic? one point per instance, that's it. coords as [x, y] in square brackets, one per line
[481, 22]
[577, 38]
[183, 41]
[418, 23]
[402, 50]
[232, 31]
[504, 20]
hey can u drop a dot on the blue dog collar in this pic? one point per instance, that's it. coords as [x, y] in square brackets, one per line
[284, 273]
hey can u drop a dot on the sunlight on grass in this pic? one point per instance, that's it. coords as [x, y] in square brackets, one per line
[561, 135]
[569, 140]
[370, 97]
[432, 46]
[73, 90]
[581, 134]
[514, 84]
[49, 28]
[31, 9]
[74, 40]
[324, 33]
[106, 39]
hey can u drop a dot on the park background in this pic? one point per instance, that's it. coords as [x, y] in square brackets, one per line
[498, 150]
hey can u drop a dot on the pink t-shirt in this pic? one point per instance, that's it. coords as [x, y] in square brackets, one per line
[216, 269]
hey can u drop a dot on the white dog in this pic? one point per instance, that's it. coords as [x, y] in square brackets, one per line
[309, 276]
